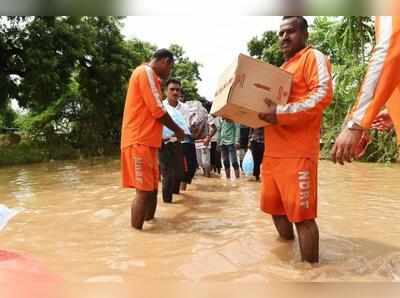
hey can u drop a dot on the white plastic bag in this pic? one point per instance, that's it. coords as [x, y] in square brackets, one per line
[5, 215]
[198, 119]
[248, 163]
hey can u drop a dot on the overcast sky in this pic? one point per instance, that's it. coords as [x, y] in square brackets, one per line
[210, 40]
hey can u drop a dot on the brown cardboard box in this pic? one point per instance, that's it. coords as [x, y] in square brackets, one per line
[243, 88]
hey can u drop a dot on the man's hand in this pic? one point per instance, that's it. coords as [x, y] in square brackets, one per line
[383, 122]
[206, 140]
[269, 117]
[237, 146]
[180, 134]
[346, 145]
[168, 122]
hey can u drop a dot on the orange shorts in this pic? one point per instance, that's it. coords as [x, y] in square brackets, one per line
[139, 167]
[289, 187]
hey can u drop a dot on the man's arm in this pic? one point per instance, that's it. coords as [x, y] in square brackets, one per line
[379, 83]
[168, 122]
[151, 93]
[383, 121]
[152, 99]
[317, 72]
[383, 74]
[211, 134]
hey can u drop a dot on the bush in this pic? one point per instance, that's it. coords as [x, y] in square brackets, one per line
[25, 152]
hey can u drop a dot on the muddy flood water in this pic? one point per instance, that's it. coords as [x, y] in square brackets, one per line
[74, 219]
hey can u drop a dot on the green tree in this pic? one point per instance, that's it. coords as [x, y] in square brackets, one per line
[50, 50]
[353, 35]
[40, 53]
[324, 37]
[7, 117]
[186, 71]
[71, 75]
[141, 49]
[102, 78]
[11, 67]
[266, 48]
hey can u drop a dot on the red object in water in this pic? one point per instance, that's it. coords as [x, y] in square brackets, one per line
[23, 277]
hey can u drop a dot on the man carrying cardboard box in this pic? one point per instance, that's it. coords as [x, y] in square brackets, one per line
[289, 172]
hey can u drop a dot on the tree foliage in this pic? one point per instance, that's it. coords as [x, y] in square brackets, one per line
[187, 72]
[71, 75]
[266, 48]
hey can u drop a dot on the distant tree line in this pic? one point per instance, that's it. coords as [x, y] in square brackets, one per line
[70, 75]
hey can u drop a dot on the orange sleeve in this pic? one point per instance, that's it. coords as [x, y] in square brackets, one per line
[393, 108]
[317, 72]
[151, 93]
[383, 74]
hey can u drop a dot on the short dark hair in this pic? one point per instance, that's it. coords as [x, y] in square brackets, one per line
[302, 22]
[174, 81]
[163, 53]
[207, 105]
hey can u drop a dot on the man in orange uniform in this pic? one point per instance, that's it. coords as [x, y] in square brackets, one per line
[289, 171]
[144, 117]
[380, 83]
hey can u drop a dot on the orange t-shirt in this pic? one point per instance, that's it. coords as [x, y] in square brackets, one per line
[297, 133]
[143, 108]
[383, 75]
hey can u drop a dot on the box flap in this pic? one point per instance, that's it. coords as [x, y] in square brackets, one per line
[224, 85]
[241, 115]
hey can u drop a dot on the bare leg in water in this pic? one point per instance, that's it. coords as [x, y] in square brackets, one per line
[284, 227]
[308, 234]
[143, 207]
[151, 206]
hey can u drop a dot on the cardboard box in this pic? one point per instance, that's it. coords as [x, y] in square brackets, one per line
[243, 88]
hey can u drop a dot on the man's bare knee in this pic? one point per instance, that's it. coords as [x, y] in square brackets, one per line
[283, 226]
[309, 225]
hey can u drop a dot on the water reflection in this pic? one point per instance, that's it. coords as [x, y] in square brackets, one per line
[23, 190]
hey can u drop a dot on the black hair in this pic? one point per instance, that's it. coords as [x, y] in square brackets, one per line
[206, 104]
[163, 53]
[302, 22]
[174, 81]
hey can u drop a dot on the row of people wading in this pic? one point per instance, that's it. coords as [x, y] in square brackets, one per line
[206, 140]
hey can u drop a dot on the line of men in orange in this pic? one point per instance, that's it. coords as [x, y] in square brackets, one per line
[289, 172]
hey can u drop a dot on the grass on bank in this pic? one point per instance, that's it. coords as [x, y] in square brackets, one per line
[27, 153]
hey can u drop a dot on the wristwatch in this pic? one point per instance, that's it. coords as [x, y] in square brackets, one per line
[351, 125]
